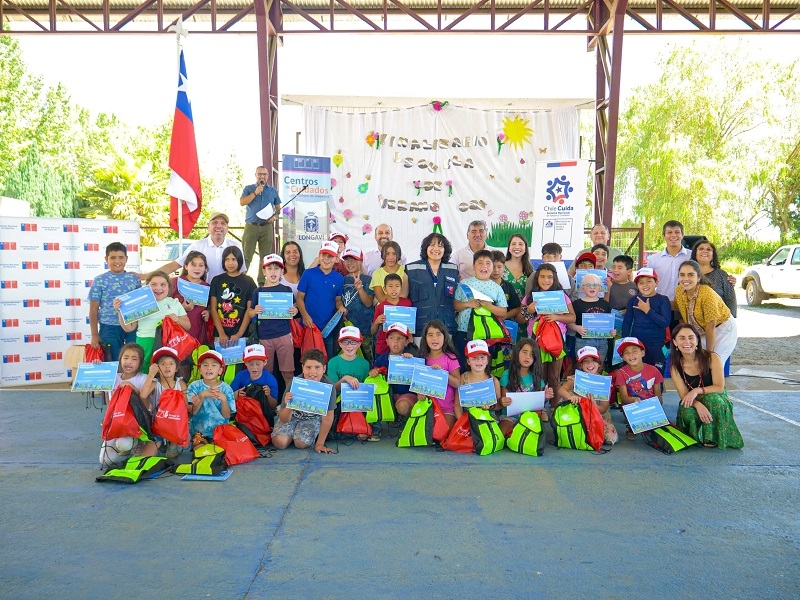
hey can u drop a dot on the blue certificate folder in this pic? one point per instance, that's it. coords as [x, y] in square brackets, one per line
[598, 386]
[550, 303]
[360, 400]
[332, 323]
[402, 369]
[407, 315]
[428, 381]
[310, 396]
[645, 415]
[95, 377]
[232, 354]
[276, 305]
[618, 317]
[477, 394]
[137, 304]
[194, 292]
[599, 325]
[513, 329]
[616, 359]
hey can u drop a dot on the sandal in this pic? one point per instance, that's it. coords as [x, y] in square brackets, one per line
[374, 438]
[629, 434]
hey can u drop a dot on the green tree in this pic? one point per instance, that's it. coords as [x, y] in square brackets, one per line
[49, 193]
[686, 141]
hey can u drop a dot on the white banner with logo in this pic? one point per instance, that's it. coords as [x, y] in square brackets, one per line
[559, 205]
[408, 167]
[46, 269]
[306, 197]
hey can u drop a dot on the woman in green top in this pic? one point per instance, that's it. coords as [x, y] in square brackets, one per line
[518, 264]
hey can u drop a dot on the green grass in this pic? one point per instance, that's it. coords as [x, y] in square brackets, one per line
[500, 233]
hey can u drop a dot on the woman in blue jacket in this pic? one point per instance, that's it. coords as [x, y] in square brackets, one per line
[432, 282]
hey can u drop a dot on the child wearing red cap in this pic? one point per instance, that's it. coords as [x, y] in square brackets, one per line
[588, 361]
[648, 316]
[479, 369]
[211, 401]
[635, 380]
[397, 339]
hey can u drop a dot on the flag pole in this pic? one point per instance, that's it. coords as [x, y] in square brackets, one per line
[180, 32]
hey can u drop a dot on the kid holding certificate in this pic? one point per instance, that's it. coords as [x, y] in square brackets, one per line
[146, 327]
[590, 303]
[397, 338]
[436, 348]
[358, 298]
[524, 374]
[300, 428]
[348, 367]
[194, 271]
[479, 369]
[275, 334]
[229, 298]
[636, 380]
[589, 362]
[393, 286]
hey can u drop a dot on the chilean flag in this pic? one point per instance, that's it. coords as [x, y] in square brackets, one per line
[184, 179]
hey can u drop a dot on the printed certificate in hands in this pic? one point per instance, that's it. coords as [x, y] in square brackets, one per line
[276, 305]
[645, 415]
[616, 359]
[550, 303]
[600, 325]
[93, 377]
[360, 400]
[477, 394]
[596, 386]
[194, 292]
[524, 401]
[232, 354]
[401, 369]
[310, 396]
[137, 304]
[429, 381]
[332, 323]
[407, 315]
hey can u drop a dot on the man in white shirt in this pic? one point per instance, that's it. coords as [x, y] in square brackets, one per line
[476, 238]
[667, 263]
[211, 247]
[373, 259]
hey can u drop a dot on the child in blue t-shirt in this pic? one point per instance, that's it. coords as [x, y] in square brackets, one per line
[255, 359]
[211, 401]
[275, 335]
[103, 321]
[358, 298]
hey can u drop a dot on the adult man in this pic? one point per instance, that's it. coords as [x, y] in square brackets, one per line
[600, 235]
[256, 197]
[211, 247]
[476, 238]
[667, 263]
[373, 259]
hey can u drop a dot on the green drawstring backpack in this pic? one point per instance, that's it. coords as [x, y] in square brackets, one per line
[527, 437]
[418, 430]
[383, 409]
[486, 435]
[569, 427]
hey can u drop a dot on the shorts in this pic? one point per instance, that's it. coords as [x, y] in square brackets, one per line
[302, 430]
[281, 348]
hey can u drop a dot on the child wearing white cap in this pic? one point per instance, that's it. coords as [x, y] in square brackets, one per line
[588, 361]
[275, 334]
[636, 380]
[350, 368]
[397, 339]
[479, 369]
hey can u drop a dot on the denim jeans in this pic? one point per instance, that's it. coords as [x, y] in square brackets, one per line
[113, 337]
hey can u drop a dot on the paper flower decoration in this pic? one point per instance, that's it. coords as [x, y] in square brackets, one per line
[437, 225]
[524, 216]
[374, 139]
[449, 184]
[341, 199]
[418, 186]
[366, 229]
[338, 159]
[437, 220]
[503, 218]
[501, 139]
[347, 214]
[333, 182]
[438, 105]
[517, 179]
[362, 188]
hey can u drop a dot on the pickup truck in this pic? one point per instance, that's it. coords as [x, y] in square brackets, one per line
[776, 277]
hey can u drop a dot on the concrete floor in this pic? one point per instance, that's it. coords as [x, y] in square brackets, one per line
[379, 522]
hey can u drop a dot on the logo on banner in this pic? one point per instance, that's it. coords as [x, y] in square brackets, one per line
[88, 283]
[311, 223]
[28, 227]
[558, 189]
[8, 284]
[10, 358]
[110, 229]
[32, 338]
[8, 245]
[132, 247]
[52, 321]
[72, 264]
[52, 283]
[69, 373]
[91, 247]
[33, 376]
[55, 356]
[74, 335]
[51, 245]
[71, 229]
[30, 265]
[10, 322]
[34, 303]
[72, 301]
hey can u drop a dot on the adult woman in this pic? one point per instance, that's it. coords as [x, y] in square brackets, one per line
[705, 253]
[701, 307]
[391, 255]
[705, 412]
[518, 264]
[293, 265]
[432, 282]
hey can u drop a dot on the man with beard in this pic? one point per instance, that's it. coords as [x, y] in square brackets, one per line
[373, 259]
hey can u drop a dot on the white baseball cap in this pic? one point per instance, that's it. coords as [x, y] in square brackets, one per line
[255, 352]
[272, 259]
[476, 347]
[629, 341]
[164, 351]
[353, 252]
[334, 234]
[645, 272]
[588, 352]
[331, 248]
[350, 333]
[398, 327]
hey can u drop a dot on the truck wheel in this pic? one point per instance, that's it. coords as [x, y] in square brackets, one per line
[753, 293]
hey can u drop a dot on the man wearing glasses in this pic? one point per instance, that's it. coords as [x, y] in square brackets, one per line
[259, 230]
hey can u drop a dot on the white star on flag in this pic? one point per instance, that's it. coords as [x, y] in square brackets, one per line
[184, 87]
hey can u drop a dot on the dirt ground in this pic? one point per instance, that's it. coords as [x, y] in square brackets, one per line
[768, 334]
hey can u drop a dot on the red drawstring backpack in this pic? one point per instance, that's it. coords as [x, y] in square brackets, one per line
[460, 437]
[440, 426]
[120, 420]
[171, 420]
[353, 423]
[238, 448]
[548, 337]
[250, 418]
[93, 354]
[312, 338]
[176, 337]
[593, 421]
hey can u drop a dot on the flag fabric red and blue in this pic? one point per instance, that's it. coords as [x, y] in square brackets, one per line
[184, 180]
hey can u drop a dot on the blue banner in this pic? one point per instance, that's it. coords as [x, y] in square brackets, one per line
[645, 415]
[598, 387]
[477, 394]
[360, 400]
[276, 305]
[407, 315]
[401, 369]
[97, 377]
[310, 396]
[310, 172]
[194, 292]
[600, 325]
[137, 304]
[429, 381]
[550, 303]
